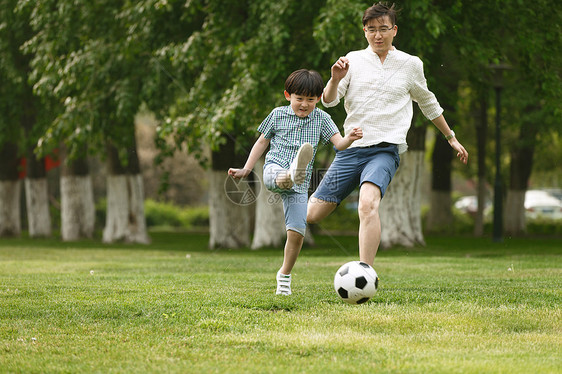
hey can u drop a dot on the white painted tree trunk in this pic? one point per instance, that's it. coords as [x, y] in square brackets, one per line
[125, 219]
[78, 212]
[400, 210]
[229, 223]
[37, 204]
[269, 230]
[440, 215]
[514, 213]
[10, 216]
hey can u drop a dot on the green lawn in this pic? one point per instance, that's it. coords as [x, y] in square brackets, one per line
[459, 305]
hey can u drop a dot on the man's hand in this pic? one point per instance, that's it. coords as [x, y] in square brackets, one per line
[462, 153]
[238, 173]
[340, 68]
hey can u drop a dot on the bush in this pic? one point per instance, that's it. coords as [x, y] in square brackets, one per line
[543, 226]
[160, 214]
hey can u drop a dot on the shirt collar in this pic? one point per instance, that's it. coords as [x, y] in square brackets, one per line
[369, 50]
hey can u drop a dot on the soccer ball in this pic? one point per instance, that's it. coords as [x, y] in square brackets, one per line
[356, 282]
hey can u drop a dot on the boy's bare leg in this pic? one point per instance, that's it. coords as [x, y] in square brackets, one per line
[293, 247]
[369, 222]
[318, 209]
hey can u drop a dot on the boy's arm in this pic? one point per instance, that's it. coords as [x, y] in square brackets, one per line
[257, 150]
[342, 143]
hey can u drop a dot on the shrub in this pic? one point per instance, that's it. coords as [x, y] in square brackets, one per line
[160, 214]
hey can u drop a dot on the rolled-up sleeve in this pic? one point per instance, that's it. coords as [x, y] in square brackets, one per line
[419, 92]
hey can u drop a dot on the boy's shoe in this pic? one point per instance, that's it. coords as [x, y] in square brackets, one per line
[283, 284]
[297, 170]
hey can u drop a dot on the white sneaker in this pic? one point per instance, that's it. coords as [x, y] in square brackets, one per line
[297, 170]
[283, 284]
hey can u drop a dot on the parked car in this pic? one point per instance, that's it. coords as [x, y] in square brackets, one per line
[539, 203]
[469, 204]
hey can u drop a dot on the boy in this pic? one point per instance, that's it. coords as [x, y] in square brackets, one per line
[293, 133]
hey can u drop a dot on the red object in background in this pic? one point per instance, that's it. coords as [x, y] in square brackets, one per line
[51, 162]
[22, 168]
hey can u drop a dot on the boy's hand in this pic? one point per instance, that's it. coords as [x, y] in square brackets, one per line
[238, 173]
[356, 133]
[339, 69]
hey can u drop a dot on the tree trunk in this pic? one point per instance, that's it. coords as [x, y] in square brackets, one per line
[522, 155]
[515, 223]
[10, 215]
[10, 191]
[440, 216]
[36, 186]
[125, 219]
[37, 197]
[37, 204]
[269, 230]
[229, 220]
[481, 140]
[78, 211]
[400, 209]
[229, 223]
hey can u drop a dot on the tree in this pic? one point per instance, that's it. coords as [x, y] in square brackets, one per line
[532, 88]
[238, 61]
[19, 124]
[401, 207]
[10, 190]
[78, 212]
[96, 59]
[534, 105]
[269, 230]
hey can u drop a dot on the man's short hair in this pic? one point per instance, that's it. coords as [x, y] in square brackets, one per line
[305, 82]
[379, 10]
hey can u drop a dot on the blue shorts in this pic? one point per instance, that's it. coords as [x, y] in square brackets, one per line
[354, 166]
[294, 203]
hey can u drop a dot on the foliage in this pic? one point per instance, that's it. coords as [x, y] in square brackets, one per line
[239, 60]
[95, 60]
[14, 69]
[467, 306]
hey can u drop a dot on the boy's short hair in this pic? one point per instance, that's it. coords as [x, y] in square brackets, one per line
[379, 10]
[305, 82]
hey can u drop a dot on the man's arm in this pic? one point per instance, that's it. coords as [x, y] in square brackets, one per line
[339, 70]
[257, 150]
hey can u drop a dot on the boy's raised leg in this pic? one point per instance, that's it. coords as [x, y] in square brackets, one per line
[297, 170]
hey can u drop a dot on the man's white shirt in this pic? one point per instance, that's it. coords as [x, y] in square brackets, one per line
[378, 97]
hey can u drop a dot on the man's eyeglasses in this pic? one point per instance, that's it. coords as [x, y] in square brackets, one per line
[382, 30]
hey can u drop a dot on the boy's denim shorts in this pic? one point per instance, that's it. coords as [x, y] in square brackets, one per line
[354, 166]
[294, 203]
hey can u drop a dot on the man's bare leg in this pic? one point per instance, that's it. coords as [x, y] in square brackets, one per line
[318, 209]
[369, 222]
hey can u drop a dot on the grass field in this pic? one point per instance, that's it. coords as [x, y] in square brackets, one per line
[458, 305]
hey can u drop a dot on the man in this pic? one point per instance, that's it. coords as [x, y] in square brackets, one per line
[379, 84]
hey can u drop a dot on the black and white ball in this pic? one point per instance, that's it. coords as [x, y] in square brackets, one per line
[356, 282]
